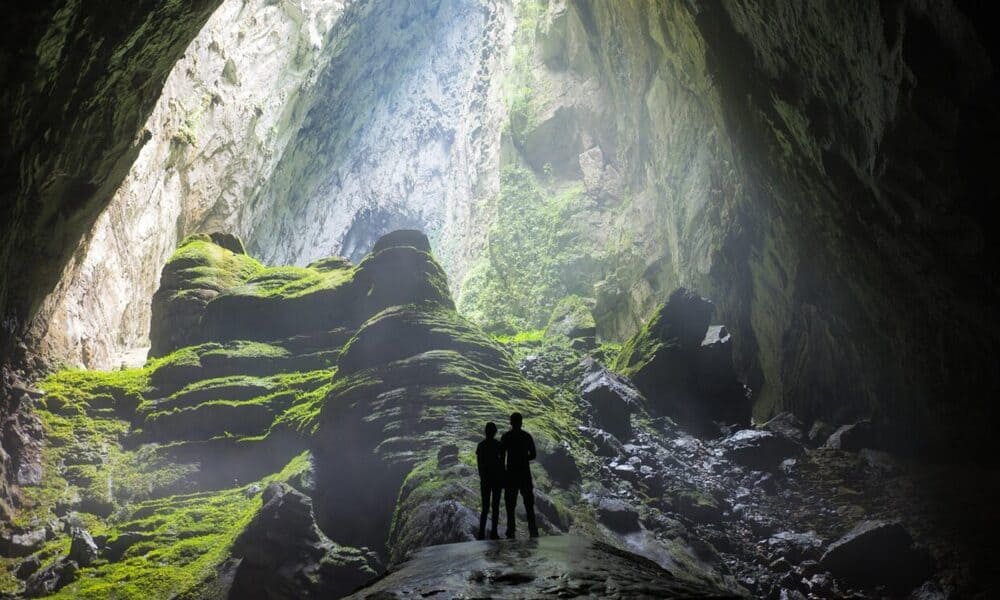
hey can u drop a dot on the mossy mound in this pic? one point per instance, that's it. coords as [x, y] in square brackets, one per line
[415, 380]
[209, 293]
[197, 272]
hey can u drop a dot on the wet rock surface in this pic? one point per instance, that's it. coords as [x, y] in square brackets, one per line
[549, 567]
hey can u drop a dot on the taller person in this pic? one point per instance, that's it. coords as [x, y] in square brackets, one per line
[519, 451]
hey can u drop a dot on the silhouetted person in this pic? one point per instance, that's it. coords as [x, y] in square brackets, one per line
[489, 460]
[519, 451]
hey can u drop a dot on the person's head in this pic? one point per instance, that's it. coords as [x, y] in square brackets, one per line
[515, 421]
[491, 429]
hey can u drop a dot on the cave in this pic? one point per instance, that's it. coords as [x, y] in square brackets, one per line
[268, 267]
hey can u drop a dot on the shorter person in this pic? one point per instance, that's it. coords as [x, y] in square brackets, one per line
[490, 464]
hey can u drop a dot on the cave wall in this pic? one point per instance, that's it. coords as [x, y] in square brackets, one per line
[228, 110]
[816, 169]
[861, 130]
[820, 170]
[80, 80]
[404, 132]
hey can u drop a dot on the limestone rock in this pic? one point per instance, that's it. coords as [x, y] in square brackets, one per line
[572, 319]
[286, 556]
[560, 464]
[28, 567]
[796, 547]
[402, 238]
[759, 449]
[857, 436]
[51, 579]
[613, 399]
[683, 369]
[82, 549]
[878, 553]
[22, 544]
[617, 515]
[787, 425]
[562, 566]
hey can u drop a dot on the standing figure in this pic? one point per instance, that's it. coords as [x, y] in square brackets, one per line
[490, 463]
[519, 450]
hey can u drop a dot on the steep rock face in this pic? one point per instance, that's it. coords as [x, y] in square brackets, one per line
[805, 166]
[859, 132]
[404, 132]
[103, 67]
[228, 109]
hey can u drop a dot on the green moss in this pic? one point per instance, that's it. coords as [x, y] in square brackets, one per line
[533, 336]
[293, 282]
[641, 348]
[535, 256]
[201, 264]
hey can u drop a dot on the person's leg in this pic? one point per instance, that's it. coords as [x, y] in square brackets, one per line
[495, 499]
[510, 496]
[528, 493]
[484, 494]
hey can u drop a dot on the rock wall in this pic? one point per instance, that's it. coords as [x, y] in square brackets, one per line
[404, 133]
[816, 169]
[819, 170]
[228, 110]
[80, 80]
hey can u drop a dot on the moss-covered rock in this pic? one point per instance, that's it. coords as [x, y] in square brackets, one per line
[197, 272]
[572, 318]
[679, 371]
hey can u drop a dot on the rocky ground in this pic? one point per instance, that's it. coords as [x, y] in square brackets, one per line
[298, 431]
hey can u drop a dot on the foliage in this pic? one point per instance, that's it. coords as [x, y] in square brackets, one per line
[534, 257]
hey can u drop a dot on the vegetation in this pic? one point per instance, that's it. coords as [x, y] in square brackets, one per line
[533, 257]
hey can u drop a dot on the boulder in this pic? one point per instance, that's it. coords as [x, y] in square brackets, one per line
[715, 378]
[878, 553]
[683, 368]
[696, 505]
[787, 425]
[28, 567]
[22, 544]
[560, 465]
[82, 549]
[606, 444]
[854, 437]
[819, 433]
[617, 515]
[759, 449]
[796, 547]
[572, 318]
[51, 579]
[442, 521]
[285, 555]
[613, 399]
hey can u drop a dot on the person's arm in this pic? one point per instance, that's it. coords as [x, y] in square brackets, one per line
[479, 461]
[531, 447]
[503, 452]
